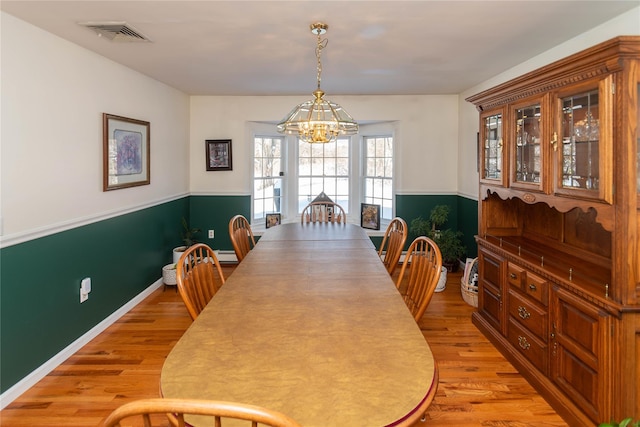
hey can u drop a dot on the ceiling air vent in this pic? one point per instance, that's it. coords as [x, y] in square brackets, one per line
[116, 31]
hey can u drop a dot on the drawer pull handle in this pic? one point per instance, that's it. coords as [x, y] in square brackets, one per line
[533, 287]
[522, 342]
[513, 275]
[523, 313]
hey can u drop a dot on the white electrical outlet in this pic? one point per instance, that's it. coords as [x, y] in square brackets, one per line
[85, 288]
[211, 234]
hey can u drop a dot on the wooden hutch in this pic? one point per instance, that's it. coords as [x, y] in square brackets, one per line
[559, 229]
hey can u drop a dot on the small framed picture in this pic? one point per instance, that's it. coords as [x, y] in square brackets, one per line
[273, 219]
[125, 152]
[370, 216]
[218, 152]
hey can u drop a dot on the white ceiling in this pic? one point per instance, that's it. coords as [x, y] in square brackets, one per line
[265, 47]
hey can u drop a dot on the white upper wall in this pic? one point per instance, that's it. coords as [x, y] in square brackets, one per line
[426, 135]
[54, 93]
[625, 24]
[53, 96]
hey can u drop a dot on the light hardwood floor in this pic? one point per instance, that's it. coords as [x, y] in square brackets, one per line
[478, 387]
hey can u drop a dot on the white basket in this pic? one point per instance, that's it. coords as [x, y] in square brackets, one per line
[169, 275]
[442, 282]
[469, 282]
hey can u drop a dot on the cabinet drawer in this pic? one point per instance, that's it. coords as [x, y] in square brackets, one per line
[528, 314]
[532, 284]
[515, 275]
[537, 287]
[529, 345]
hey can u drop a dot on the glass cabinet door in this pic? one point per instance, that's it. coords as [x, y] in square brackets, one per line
[583, 141]
[580, 136]
[492, 149]
[527, 151]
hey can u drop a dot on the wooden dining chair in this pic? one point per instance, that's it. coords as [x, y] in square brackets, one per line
[241, 236]
[199, 277]
[393, 243]
[323, 212]
[422, 266]
[175, 410]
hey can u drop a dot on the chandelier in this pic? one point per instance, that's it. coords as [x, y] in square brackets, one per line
[318, 120]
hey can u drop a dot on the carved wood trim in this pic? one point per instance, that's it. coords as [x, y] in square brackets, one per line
[605, 212]
[597, 61]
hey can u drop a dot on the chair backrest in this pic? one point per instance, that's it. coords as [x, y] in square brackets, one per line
[323, 212]
[393, 243]
[422, 265]
[199, 277]
[175, 410]
[241, 236]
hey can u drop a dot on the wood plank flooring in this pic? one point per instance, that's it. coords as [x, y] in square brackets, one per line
[478, 387]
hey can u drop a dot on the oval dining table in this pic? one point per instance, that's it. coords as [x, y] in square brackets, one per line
[309, 324]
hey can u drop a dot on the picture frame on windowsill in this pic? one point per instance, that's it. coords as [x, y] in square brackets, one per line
[370, 216]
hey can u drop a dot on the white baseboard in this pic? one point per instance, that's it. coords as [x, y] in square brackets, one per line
[43, 370]
[227, 256]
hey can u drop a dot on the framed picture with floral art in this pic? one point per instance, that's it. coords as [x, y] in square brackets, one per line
[125, 152]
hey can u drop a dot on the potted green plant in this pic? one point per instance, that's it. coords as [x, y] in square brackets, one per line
[449, 241]
[438, 216]
[188, 235]
[451, 247]
[627, 422]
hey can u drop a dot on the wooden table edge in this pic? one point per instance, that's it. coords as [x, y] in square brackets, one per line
[417, 413]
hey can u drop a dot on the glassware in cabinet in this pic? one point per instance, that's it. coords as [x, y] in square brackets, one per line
[582, 142]
[527, 152]
[491, 150]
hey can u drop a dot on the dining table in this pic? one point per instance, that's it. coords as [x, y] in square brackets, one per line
[309, 324]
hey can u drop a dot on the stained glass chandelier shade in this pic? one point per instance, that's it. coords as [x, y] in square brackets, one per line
[318, 120]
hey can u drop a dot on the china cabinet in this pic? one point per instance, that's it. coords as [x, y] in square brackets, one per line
[559, 227]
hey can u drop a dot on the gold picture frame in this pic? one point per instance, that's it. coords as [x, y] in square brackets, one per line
[126, 152]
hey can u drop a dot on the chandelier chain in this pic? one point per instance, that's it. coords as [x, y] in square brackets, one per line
[321, 45]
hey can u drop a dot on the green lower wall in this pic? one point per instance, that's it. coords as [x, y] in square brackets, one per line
[214, 213]
[40, 312]
[468, 224]
[463, 215]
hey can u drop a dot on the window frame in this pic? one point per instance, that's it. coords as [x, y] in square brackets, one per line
[289, 191]
[365, 177]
